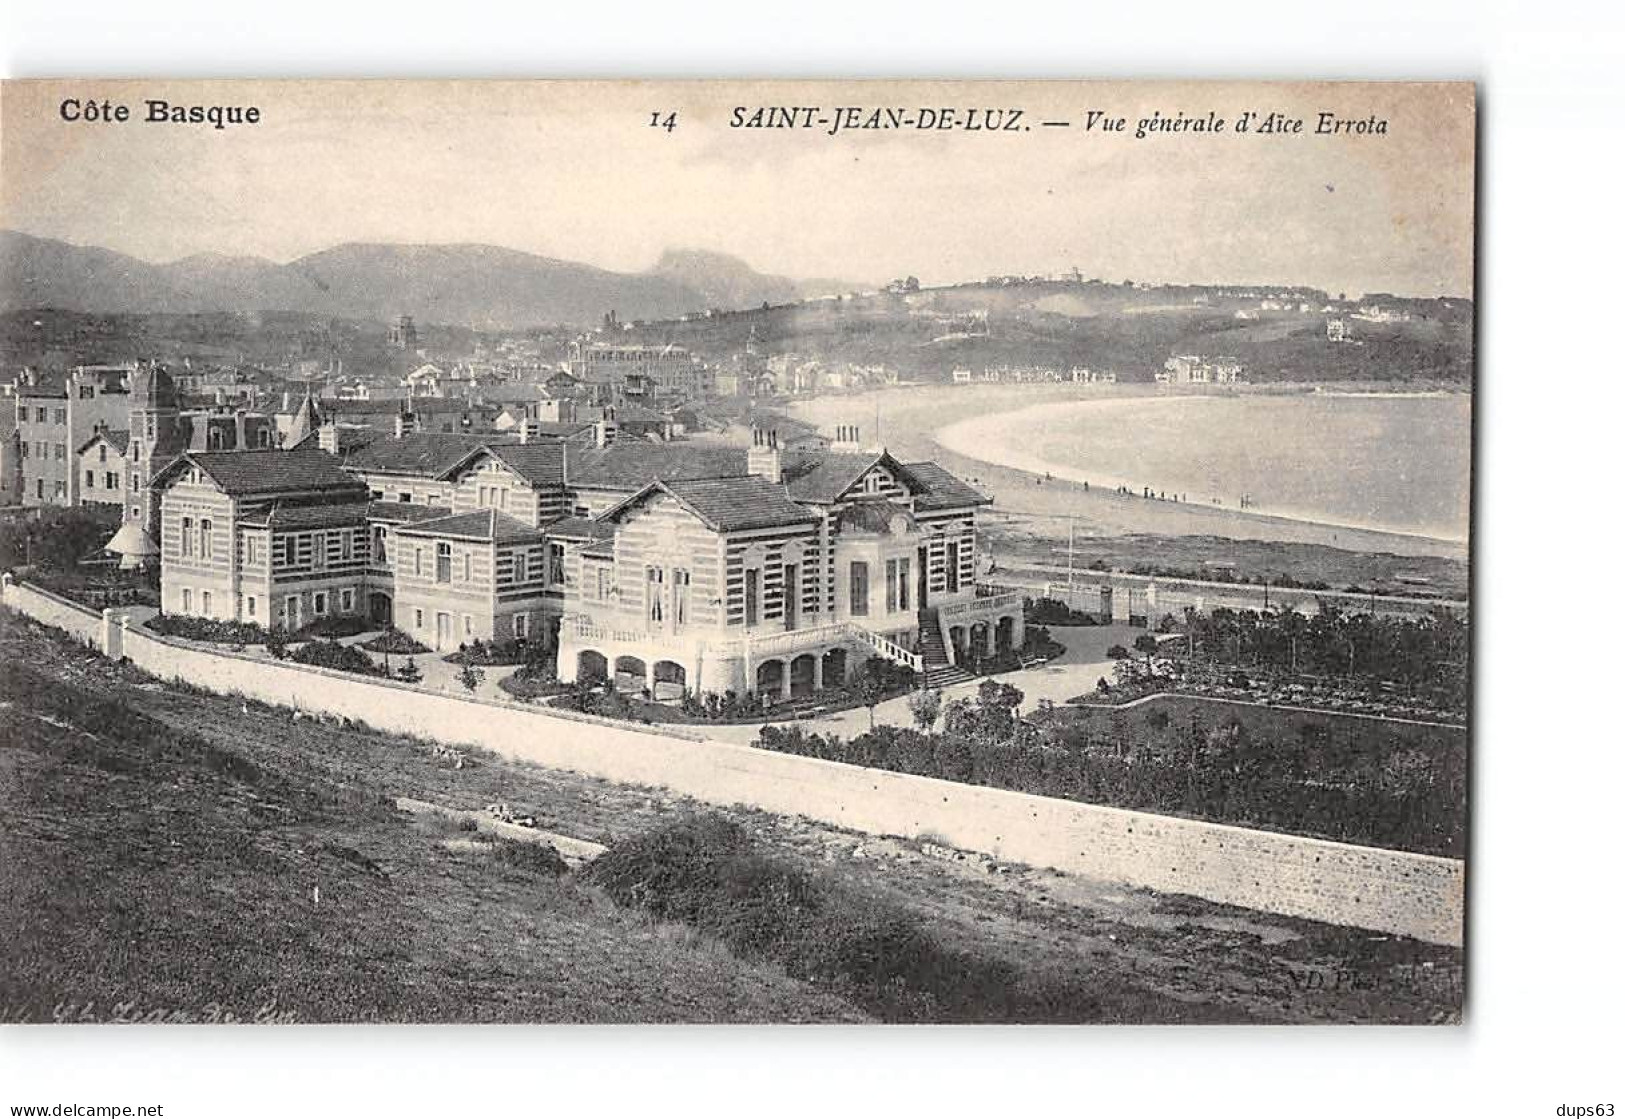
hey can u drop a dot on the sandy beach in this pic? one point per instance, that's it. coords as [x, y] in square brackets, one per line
[941, 422]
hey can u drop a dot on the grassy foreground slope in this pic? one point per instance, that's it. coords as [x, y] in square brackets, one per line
[164, 849]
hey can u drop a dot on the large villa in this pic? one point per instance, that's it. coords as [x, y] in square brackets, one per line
[673, 566]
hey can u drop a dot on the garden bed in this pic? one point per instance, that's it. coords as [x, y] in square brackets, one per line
[493, 654]
[210, 630]
[395, 642]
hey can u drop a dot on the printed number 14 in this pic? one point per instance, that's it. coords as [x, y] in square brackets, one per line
[667, 121]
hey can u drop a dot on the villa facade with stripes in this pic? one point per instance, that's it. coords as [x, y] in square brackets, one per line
[662, 567]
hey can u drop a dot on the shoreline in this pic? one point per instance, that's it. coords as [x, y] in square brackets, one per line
[970, 440]
[912, 418]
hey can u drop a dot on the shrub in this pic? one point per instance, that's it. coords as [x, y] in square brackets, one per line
[538, 858]
[1054, 612]
[707, 872]
[495, 653]
[334, 625]
[208, 629]
[394, 641]
[409, 671]
[1117, 652]
[330, 654]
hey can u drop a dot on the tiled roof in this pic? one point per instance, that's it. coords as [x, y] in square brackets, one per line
[421, 455]
[483, 524]
[540, 464]
[580, 528]
[403, 512]
[631, 466]
[245, 473]
[118, 439]
[307, 516]
[943, 489]
[824, 476]
[730, 504]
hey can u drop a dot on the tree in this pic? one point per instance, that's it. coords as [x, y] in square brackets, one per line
[925, 705]
[471, 676]
[872, 685]
[1146, 644]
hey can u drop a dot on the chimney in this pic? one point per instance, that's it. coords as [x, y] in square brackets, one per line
[401, 426]
[603, 432]
[847, 438]
[327, 438]
[242, 430]
[528, 432]
[763, 457]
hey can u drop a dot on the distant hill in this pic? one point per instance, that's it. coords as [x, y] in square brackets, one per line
[728, 283]
[479, 285]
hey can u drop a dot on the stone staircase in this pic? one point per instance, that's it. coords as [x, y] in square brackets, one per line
[940, 671]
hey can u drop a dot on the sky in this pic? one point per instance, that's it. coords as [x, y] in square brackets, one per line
[574, 170]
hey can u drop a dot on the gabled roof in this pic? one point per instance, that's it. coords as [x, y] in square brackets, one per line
[426, 454]
[726, 504]
[278, 515]
[402, 512]
[118, 439]
[580, 528]
[485, 525]
[540, 464]
[825, 476]
[631, 466]
[942, 489]
[246, 473]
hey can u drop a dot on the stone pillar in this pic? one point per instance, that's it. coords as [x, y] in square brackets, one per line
[992, 642]
[784, 681]
[1121, 593]
[1018, 629]
[112, 633]
[649, 676]
[818, 672]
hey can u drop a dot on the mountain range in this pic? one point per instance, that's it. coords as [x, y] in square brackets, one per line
[479, 285]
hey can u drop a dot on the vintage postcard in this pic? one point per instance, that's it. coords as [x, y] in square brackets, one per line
[892, 552]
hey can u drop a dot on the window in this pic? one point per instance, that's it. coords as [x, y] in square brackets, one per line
[206, 539]
[417, 560]
[61, 452]
[521, 626]
[347, 600]
[250, 606]
[417, 618]
[61, 489]
[605, 583]
[320, 600]
[753, 595]
[953, 567]
[111, 480]
[251, 550]
[135, 452]
[903, 566]
[39, 488]
[859, 604]
[102, 453]
[555, 564]
[468, 568]
[378, 551]
[186, 536]
[679, 596]
[318, 549]
[404, 497]
[442, 562]
[208, 605]
[135, 482]
[655, 583]
[891, 586]
[90, 479]
[468, 624]
[87, 392]
[186, 600]
[347, 545]
[24, 449]
[39, 415]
